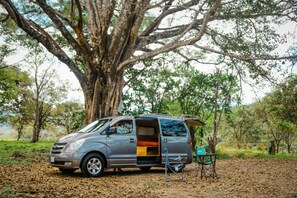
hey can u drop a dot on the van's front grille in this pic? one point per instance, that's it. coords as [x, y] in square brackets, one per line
[58, 147]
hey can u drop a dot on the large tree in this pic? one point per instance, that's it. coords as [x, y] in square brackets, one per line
[99, 40]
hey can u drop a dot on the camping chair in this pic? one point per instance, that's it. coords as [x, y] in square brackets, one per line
[205, 162]
[173, 166]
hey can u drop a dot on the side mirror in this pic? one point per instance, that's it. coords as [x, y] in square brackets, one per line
[111, 130]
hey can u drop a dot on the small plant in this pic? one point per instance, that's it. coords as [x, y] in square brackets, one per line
[223, 156]
[151, 184]
[8, 192]
[258, 155]
[240, 155]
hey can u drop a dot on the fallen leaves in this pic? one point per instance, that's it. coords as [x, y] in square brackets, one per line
[244, 178]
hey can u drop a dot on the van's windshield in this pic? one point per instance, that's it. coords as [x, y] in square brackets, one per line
[94, 126]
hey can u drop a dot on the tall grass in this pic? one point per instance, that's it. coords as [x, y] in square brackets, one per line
[24, 152]
[249, 153]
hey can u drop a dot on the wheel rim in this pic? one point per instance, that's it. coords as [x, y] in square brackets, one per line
[94, 166]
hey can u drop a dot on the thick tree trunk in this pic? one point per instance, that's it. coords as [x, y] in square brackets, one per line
[104, 95]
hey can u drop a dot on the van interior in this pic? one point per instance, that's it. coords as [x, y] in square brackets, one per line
[148, 141]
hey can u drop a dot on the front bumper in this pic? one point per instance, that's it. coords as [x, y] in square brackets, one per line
[65, 161]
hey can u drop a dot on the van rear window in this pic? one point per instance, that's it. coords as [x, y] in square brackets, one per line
[173, 128]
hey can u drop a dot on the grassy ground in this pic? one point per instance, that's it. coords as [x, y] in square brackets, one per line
[24, 152]
[250, 153]
[14, 152]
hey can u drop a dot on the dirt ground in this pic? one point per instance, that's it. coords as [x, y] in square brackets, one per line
[237, 178]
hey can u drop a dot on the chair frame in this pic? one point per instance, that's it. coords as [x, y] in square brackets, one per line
[173, 166]
[206, 162]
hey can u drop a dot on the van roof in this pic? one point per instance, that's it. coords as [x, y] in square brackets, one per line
[191, 121]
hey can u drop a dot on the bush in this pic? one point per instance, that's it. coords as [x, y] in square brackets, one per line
[222, 156]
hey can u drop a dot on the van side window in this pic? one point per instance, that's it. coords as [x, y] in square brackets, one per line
[173, 128]
[123, 127]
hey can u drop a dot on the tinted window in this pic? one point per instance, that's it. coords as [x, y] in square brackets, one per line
[173, 128]
[123, 127]
[94, 126]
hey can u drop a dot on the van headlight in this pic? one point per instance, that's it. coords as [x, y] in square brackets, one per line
[73, 146]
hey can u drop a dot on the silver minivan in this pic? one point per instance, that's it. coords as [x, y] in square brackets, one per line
[124, 141]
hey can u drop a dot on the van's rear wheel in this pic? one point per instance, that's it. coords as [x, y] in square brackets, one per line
[92, 165]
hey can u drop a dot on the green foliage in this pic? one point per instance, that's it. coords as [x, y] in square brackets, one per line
[222, 156]
[69, 115]
[24, 152]
[5, 50]
[8, 192]
[242, 126]
[180, 90]
[13, 83]
[254, 152]
[151, 91]
[278, 112]
[240, 155]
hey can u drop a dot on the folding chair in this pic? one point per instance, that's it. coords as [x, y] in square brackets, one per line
[205, 162]
[173, 166]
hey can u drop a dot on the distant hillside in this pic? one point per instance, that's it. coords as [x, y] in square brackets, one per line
[7, 133]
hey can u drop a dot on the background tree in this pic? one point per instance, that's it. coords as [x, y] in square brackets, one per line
[21, 108]
[100, 40]
[282, 105]
[224, 89]
[151, 91]
[13, 83]
[46, 92]
[242, 126]
[180, 90]
[68, 115]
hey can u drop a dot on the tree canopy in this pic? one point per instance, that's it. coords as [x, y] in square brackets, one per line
[100, 40]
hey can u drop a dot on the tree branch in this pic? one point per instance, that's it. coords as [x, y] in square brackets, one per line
[175, 44]
[82, 49]
[36, 32]
[247, 58]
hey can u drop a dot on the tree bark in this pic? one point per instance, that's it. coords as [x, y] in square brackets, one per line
[289, 148]
[37, 125]
[20, 131]
[272, 148]
[104, 96]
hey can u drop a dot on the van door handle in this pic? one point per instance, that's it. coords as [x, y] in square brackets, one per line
[165, 140]
[131, 140]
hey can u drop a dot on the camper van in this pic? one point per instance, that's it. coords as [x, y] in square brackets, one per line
[124, 141]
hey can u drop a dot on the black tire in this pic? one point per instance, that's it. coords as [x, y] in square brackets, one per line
[145, 168]
[92, 165]
[67, 171]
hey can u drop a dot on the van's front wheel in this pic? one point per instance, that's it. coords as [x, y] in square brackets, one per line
[92, 165]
